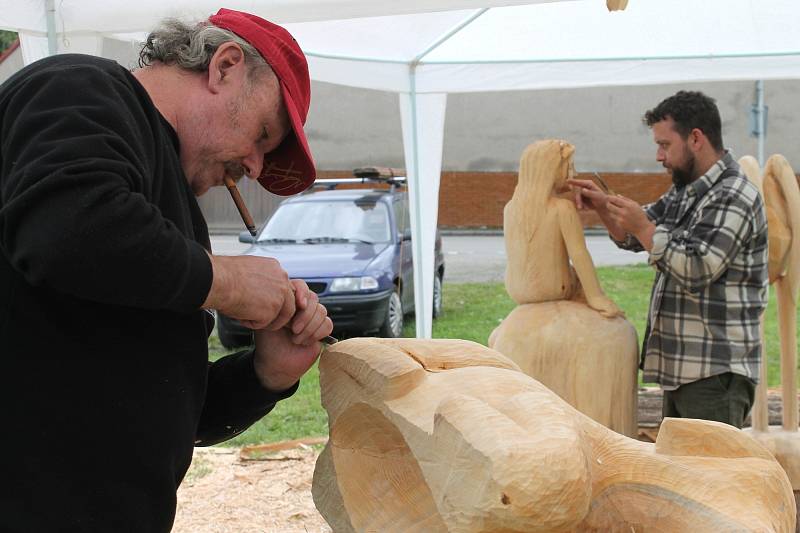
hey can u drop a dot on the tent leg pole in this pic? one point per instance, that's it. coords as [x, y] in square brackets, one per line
[50, 15]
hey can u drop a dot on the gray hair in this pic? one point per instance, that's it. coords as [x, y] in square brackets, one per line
[192, 47]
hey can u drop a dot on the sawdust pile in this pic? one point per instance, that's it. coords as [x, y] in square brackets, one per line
[223, 494]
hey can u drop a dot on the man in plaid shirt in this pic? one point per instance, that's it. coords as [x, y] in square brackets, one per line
[707, 239]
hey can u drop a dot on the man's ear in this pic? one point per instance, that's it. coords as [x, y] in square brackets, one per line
[226, 66]
[697, 139]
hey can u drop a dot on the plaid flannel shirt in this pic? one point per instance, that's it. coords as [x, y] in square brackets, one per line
[710, 254]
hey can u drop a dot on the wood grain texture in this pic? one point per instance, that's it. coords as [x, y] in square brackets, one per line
[566, 332]
[447, 435]
[616, 5]
[546, 252]
[759, 412]
[588, 360]
[781, 194]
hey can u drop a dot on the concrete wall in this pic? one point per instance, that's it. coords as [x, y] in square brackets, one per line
[485, 134]
[487, 131]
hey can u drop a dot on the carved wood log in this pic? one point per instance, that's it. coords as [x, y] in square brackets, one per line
[616, 5]
[782, 202]
[588, 360]
[752, 170]
[566, 332]
[447, 435]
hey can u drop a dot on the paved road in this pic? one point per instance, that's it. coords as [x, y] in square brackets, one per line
[476, 258]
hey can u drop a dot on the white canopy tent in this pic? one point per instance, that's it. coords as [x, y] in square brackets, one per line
[426, 49]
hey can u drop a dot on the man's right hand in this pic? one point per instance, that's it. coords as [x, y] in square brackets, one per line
[254, 290]
[588, 195]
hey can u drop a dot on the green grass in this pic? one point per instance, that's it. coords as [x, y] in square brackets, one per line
[471, 312]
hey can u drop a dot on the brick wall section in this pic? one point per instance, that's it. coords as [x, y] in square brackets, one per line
[477, 199]
[472, 200]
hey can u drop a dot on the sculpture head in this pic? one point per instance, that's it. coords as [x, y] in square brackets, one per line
[782, 202]
[546, 165]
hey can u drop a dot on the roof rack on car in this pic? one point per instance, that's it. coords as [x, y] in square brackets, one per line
[390, 176]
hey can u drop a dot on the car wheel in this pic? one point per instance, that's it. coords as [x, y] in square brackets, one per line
[437, 295]
[393, 321]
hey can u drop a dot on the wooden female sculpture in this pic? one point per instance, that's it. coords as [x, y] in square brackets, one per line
[782, 201]
[543, 233]
[447, 435]
[566, 332]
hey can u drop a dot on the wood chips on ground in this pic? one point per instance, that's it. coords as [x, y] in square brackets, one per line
[223, 494]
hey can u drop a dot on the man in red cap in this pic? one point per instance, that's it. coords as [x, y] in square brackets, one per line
[106, 274]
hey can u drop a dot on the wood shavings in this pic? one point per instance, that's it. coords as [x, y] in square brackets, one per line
[232, 496]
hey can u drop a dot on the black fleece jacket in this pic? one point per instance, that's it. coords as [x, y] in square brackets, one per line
[105, 385]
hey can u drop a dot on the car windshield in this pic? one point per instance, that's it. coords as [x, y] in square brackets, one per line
[324, 222]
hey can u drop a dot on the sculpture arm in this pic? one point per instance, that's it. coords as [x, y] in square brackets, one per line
[572, 232]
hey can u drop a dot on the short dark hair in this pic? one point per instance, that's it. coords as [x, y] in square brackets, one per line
[689, 110]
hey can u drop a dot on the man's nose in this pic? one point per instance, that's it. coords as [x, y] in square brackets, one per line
[253, 164]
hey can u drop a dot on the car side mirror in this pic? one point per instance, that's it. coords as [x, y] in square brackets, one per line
[406, 235]
[246, 237]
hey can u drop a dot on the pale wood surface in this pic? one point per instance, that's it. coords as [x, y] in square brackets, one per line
[588, 360]
[785, 446]
[781, 194]
[543, 234]
[752, 170]
[447, 435]
[565, 332]
[782, 197]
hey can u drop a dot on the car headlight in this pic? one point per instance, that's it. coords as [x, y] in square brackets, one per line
[364, 283]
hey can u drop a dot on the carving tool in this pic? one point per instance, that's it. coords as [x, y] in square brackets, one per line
[604, 185]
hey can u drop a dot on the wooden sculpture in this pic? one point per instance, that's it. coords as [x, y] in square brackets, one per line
[449, 436]
[782, 201]
[566, 332]
[616, 5]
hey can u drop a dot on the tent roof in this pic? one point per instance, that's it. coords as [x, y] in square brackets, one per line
[425, 46]
[516, 47]
[115, 16]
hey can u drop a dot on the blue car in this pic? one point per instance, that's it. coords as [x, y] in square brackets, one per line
[353, 248]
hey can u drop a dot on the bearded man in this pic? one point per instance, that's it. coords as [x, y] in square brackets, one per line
[707, 240]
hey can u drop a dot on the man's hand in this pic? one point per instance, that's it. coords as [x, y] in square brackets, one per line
[588, 195]
[254, 290]
[310, 323]
[279, 362]
[630, 216]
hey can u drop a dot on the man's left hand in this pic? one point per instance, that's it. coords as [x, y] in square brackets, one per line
[279, 362]
[283, 356]
[310, 322]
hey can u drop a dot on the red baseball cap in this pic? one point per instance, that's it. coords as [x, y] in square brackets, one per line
[289, 169]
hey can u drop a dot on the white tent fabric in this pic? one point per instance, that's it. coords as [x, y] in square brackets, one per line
[107, 17]
[558, 45]
[565, 44]
[423, 49]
